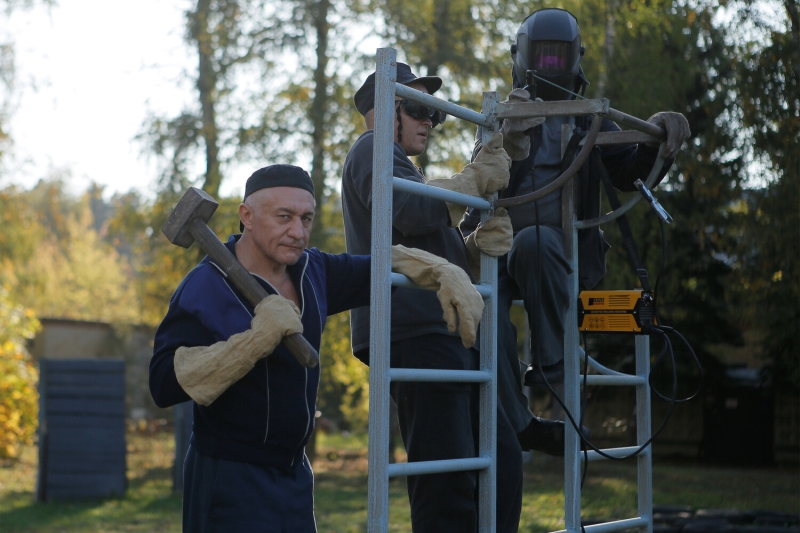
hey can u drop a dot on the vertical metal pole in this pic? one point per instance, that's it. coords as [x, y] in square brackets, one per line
[380, 303]
[487, 479]
[572, 468]
[643, 423]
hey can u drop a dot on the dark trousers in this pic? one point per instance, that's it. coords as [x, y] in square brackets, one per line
[222, 496]
[517, 278]
[440, 421]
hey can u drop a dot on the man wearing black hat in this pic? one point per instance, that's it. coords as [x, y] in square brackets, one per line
[437, 420]
[254, 404]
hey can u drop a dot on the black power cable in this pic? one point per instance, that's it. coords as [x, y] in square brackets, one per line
[661, 330]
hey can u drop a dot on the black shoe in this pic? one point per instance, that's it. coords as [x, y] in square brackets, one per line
[554, 374]
[546, 436]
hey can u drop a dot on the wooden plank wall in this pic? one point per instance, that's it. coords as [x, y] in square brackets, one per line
[81, 429]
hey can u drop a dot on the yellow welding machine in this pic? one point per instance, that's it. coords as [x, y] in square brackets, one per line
[615, 311]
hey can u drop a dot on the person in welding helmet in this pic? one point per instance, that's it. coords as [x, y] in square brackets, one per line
[535, 270]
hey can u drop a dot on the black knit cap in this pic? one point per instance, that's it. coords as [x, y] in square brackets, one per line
[365, 96]
[277, 176]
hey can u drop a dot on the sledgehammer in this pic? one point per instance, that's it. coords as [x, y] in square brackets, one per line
[187, 224]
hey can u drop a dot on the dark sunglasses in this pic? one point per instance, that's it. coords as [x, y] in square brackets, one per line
[421, 112]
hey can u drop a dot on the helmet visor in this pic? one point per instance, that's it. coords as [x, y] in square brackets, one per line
[551, 57]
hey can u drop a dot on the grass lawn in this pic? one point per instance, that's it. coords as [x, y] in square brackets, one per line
[341, 491]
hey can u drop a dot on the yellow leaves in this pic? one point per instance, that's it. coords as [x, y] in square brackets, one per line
[18, 377]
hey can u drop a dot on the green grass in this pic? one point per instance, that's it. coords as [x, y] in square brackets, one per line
[341, 491]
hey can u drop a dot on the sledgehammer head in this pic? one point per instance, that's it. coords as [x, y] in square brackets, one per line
[195, 203]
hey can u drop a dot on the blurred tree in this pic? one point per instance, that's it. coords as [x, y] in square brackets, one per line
[234, 40]
[19, 399]
[671, 56]
[8, 72]
[157, 265]
[768, 76]
[450, 39]
[56, 262]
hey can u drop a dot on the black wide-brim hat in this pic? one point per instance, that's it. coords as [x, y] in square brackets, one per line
[365, 96]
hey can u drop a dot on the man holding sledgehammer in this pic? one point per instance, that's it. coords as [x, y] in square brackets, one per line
[254, 404]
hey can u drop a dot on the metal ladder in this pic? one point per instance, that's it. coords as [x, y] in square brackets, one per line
[381, 375]
[604, 377]
[380, 471]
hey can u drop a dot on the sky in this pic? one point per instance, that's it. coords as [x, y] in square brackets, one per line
[87, 74]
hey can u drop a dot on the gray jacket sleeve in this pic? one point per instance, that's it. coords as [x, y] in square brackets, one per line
[411, 214]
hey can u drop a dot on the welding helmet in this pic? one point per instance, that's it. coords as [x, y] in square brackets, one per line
[549, 42]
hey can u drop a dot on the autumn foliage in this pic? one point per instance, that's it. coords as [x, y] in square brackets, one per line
[18, 377]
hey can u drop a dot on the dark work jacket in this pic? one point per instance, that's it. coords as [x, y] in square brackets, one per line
[267, 416]
[417, 222]
[624, 163]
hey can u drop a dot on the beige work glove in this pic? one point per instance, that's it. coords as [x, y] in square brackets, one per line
[461, 303]
[486, 175]
[457, 183]
[493, 237]
[205, 372]
[677, 130]
[516, 141]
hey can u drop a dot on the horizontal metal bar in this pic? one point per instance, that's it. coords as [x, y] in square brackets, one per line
[559, 108]
[636, 123]
[607, 527]
[600, 368]
[485, 290]
[443, 105]
[594, 379]
[441, 375]
[615, 452]
[437, 193]
[437, 467]
[604, 370]
[605, 138]
[401, 280]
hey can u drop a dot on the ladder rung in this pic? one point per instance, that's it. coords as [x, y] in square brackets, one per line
[438, 193]
[595, 379]
[615, 452]
[433, 374]
[437, 467]
[399, 280]
[619, 525]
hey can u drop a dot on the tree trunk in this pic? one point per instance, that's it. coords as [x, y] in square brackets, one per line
[608, 48]
[319, 15]
[206, 86]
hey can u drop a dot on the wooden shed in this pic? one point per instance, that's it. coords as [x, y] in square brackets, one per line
[81, 429]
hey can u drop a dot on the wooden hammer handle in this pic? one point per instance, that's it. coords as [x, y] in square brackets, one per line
[299, 347]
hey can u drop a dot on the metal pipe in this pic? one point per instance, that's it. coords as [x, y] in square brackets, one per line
[400, 280]
[561, 108]
[636, 123]
[608, 527]
[594, 379]
[437, 193]
[623, 452]
[437, 467]
[380, 293]
[434, 374]
[443, 105]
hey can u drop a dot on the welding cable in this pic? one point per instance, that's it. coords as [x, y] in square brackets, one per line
[661, 331]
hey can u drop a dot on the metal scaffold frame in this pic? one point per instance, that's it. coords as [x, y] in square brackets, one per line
[380, 310]
[380, 471]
